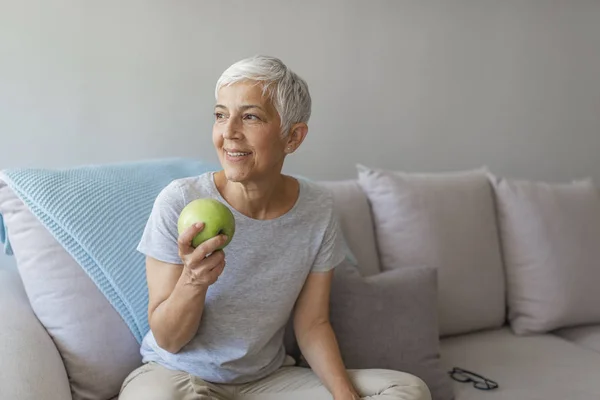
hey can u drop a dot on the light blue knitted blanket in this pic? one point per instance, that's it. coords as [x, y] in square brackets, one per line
[98, 213]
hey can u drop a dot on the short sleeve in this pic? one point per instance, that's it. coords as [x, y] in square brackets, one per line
[159, 239]
[332, 250]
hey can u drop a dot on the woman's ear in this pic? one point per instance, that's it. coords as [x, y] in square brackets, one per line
[296, 137]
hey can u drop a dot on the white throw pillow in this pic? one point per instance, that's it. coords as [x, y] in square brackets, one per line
[96, 346]
[446, 221]
[551, 242]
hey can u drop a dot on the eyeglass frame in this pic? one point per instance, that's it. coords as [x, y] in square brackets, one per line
[489, 384]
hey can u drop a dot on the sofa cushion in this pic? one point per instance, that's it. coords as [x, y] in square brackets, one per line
[540, 366]
[97, 347]
[398, 309]
[30, 364]
[587, 336]
[550, 238]
[446, 220]
[356, 223]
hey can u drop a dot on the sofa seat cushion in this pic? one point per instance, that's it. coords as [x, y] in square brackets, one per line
[587, 336]
[535, 367]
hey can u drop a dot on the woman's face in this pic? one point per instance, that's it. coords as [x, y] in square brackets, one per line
[247, 133]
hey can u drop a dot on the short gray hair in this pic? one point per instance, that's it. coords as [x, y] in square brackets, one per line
[288, 92]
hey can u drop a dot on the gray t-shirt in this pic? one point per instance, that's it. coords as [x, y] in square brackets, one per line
[240, 338]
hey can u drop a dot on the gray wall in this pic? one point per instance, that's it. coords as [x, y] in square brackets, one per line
[414, 85]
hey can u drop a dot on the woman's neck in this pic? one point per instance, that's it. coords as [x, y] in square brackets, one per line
[266, 199]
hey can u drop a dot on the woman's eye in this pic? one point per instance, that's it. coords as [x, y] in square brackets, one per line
[251, 117]
[219, 115]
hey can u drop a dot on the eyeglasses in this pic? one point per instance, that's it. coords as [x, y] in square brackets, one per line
[479, 382]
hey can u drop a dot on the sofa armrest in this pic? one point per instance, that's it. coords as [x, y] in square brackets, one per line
[31, 366]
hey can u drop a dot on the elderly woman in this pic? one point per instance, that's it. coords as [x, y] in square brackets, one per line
[217, 317]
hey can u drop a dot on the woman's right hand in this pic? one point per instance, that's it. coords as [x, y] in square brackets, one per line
[204, 264]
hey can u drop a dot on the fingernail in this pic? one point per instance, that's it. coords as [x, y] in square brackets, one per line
[225, 237]
[198, 224]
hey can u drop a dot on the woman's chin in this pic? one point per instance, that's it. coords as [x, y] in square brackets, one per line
[234, 174]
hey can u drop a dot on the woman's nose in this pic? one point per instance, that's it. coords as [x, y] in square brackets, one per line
[231, 129]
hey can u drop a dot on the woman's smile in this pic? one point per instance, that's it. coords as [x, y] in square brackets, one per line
[236, 156]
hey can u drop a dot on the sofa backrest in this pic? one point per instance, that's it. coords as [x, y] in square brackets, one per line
[356, 223]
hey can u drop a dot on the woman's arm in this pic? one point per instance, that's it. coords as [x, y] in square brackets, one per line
[174, 308]
[316, 338]
[177, 291]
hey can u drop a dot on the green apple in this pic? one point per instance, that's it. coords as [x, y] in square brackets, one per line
[216, 216]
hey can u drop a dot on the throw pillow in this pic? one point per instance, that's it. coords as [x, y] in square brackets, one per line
[551, 239]
[390, 321]
[445, 220]
[96, 346]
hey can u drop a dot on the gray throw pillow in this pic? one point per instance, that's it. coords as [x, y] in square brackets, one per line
[446, 220]
[551, 240]
[390, 321]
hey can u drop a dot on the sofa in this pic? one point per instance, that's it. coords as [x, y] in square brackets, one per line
[464, 269]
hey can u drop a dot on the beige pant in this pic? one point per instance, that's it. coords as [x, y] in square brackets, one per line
[154, 382]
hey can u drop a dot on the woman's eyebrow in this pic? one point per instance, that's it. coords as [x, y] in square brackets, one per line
[248, 106]
[242, 108]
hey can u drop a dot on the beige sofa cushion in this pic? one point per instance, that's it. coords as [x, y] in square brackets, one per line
[356, 223]
[96, 345]
[551, 241]
[587, 336]
[525, 367]
[31, 367]
[446, 221]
